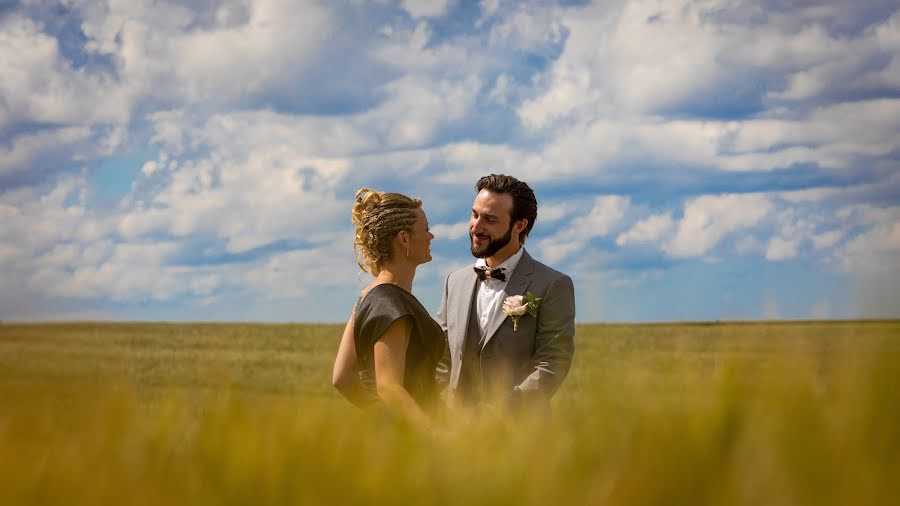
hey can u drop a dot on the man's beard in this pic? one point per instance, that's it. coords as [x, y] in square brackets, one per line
[493, 245]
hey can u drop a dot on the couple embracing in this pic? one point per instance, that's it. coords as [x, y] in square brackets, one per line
[503, 335]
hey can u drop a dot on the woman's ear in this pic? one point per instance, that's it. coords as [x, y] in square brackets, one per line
[403, 237]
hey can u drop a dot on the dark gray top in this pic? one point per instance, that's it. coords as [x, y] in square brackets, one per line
[382, 306]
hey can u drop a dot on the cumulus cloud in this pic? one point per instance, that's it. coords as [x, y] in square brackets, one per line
[708, 219]
[651, 229]
[605, 216]
[426, 8]
[418, 106]
[298, 274]
[172, 52]
[658, 133]
[877, 248]
[450, 231]
[781, 249]
[39, 85]
[552, 212]
[76, 254]
[28, 150]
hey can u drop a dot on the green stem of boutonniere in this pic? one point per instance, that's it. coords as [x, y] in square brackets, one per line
[517, 305]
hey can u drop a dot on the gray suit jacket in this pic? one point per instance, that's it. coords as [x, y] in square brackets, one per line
[531, 362]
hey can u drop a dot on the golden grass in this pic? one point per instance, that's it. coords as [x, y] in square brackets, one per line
[790, 413]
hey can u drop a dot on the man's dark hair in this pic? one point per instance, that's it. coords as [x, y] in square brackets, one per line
[524, 202]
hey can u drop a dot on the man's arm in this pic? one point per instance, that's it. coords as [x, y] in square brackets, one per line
[555, 343]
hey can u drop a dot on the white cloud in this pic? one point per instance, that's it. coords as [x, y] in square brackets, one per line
[747, 245]
[263, 176]
[149, 168]
[411, 52]
[39, 220]
[55, 248]
[528, 28]
[631, 280]
[450, 231]
[632, 58]
[466, 162]
[38, 85]
[607, 96]
[267, 114]
[870, 259]
[888, 33]
[131, 272]
[26, 149]
[877, 249]
[605, 216]
[571, 85]
[826, 239]
[426, 8]
[489, 7]
[652, 229]
[419, 105]
[647, 30]
[553, 212]
[708, 219]
[832, 136]
[296, 274]
[780, 248]
[554, 250]
[268, 47]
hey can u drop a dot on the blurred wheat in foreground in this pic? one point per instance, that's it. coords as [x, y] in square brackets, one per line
[791, 413]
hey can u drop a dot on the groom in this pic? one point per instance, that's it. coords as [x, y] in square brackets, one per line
[488, 357]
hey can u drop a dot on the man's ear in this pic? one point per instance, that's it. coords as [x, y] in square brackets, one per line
[521, 225]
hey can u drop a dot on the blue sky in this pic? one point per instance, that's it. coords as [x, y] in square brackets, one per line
[176, 160]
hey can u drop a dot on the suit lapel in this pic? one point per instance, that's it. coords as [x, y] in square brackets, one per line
[518, 283]
[462, 310]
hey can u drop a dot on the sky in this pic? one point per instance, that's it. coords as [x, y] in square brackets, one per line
[197, 160]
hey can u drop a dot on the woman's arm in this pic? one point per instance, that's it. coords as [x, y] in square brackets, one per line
[390, 363]
[345, 375]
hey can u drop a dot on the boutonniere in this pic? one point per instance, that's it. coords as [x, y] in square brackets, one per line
[517, 305]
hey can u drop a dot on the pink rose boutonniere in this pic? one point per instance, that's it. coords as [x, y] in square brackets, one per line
[517, 305]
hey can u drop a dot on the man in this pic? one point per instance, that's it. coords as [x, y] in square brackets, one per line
[488, 356]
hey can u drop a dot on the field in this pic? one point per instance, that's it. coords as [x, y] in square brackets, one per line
[756, 413]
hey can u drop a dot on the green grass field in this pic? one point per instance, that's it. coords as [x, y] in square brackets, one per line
[781, 413]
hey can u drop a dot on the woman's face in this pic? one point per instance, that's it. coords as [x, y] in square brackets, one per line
[420, 239]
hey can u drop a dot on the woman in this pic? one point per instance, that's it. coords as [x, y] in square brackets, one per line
[391, 345]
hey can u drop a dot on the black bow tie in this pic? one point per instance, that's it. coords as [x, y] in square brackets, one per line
[497, 274]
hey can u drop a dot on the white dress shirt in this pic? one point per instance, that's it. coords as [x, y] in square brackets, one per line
[490, 292]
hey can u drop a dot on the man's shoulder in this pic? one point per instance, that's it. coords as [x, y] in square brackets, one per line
[546, 271]
[462, 273]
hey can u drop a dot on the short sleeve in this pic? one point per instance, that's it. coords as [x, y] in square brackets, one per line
[377, 312]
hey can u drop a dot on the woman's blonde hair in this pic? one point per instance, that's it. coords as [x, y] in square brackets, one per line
[378, 217]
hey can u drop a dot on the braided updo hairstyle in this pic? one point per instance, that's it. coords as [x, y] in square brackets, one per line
[378, 217]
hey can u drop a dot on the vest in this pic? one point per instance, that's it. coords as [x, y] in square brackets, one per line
[469, 387]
